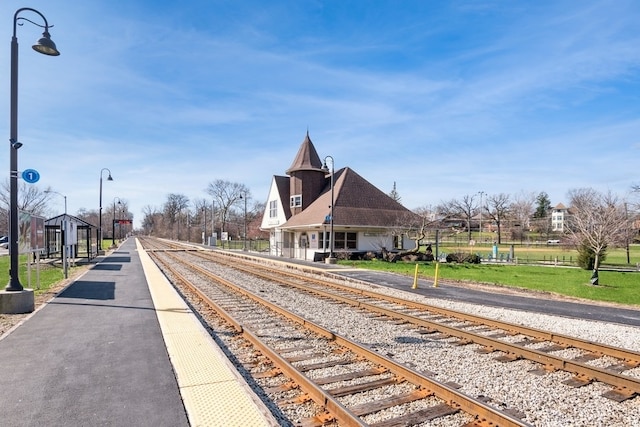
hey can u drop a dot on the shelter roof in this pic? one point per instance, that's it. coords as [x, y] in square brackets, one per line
[56, 221]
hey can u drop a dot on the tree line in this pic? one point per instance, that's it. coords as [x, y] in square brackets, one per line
[594, 221]
[229, 209]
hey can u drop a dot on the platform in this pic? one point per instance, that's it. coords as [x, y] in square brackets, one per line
[119, 347]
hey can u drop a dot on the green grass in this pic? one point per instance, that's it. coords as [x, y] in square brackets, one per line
[619, 287]
[49, 274]
[535, 253]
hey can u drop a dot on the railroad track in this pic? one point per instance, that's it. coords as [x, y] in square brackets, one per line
[514, 341]
[303, 352]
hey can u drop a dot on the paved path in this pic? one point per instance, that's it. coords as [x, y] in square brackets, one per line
[93, 356]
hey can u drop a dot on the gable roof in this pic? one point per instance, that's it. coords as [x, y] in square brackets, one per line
[307, 157]
[56, 221]
[358, 203]
[282, 185]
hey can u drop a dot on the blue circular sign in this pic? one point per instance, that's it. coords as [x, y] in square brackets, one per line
[31, 175]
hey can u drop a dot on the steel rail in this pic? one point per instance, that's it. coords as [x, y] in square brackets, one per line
[630, 356]
[626, 386]
[317, 394]
[483, 412]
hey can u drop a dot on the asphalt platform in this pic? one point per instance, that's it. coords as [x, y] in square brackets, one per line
[120, 347]
[93, 356]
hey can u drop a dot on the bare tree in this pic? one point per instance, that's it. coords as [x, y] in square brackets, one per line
[498, 210]
[152, 220]
[522, 208]
[464, 208]
[30, 199]
[413, 226]
[173, 208]
[598, 221]
[227, 195]
[90, 216]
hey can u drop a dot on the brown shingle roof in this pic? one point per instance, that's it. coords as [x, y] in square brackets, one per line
[282, 184]
[357, 203]
[306, 159]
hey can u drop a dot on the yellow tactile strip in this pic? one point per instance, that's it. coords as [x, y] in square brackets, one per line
[214, 393]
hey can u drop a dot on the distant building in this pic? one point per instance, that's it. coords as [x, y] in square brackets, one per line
[298, 212]
[559, 217]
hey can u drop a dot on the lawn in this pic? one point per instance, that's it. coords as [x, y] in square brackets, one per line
[546, 253]
[619, 287]
[49, 274]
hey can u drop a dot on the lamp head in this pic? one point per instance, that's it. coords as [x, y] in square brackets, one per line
[109, 178]
[15, 145]
[325, 168]
[45, 45]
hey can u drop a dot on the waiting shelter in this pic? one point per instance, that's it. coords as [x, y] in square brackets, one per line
[81, 237]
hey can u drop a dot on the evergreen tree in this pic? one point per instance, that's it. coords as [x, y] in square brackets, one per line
[394, 193]
[543, 204]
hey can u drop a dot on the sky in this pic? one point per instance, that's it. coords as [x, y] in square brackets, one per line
[443, 98]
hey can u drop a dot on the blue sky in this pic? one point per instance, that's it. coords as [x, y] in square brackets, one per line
[443, 98]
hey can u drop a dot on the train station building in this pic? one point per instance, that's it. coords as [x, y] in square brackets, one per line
[299, 214]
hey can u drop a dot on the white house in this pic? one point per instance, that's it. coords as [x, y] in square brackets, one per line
[559, 215]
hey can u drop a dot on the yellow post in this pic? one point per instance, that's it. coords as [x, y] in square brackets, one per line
[415, 279]
[435, 281]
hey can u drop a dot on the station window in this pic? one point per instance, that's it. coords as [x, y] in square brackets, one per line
[346, 240]
[296, 201]
[273, 209]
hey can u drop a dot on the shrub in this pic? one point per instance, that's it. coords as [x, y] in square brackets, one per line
[587, 257]
[463, 257]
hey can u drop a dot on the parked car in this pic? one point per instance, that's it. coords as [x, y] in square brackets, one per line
[4, 242]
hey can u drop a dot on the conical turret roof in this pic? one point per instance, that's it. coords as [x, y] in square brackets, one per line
[307, 158]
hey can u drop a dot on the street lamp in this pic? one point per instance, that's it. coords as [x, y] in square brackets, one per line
[109, 178]
[244, 239]
[213, 222]
[204, 224]
[46, 46]
[331, 258]
[480, 229]
[63, 234]
[113, 226]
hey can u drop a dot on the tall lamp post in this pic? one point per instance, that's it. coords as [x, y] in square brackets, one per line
[244, 239]
[46, 46]
[204, 224]
[109, 178]
[480, 229]
[331, 259]
[213, 223]
[63, 234]
[113, 226]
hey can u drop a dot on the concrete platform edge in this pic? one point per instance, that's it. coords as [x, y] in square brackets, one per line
[214, 393]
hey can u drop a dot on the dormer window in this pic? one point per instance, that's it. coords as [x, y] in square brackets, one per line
[296, 201]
